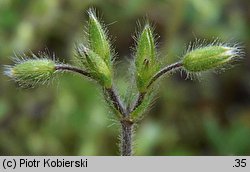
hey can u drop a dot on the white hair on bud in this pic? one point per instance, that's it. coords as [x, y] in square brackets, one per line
[233, 49]
[8, 71]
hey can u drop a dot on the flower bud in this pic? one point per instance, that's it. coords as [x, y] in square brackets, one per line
[145, 61]
[97, 67]
[209, 57]
[98, 41]
[29, 73]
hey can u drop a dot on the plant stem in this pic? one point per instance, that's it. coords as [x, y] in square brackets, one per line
[72, 69]
[126, 125]
[116, 101]
[169, 68]
[126, 138]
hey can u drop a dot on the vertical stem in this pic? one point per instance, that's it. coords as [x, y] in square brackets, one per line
[126, 138]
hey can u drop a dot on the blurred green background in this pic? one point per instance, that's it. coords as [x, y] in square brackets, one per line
[69, 117]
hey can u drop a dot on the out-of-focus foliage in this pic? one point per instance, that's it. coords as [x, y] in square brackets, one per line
[69, 117]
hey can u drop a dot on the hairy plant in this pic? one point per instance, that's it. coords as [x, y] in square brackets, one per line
[96, 61]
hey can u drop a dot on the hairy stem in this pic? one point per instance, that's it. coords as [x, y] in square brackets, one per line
[126, 125]
[169, 68]
[126, 138]
[116, 101]
[72, 69]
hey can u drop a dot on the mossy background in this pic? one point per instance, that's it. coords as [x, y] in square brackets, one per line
[69, 117]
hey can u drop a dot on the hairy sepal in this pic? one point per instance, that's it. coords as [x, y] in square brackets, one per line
[209, 57]
[146, 62]
[31, 72]
[98, 39]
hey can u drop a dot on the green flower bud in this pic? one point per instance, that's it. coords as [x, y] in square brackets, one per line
[98, 41]
[209, 57]
[97, 67]
[31, 72]
[145, 62]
